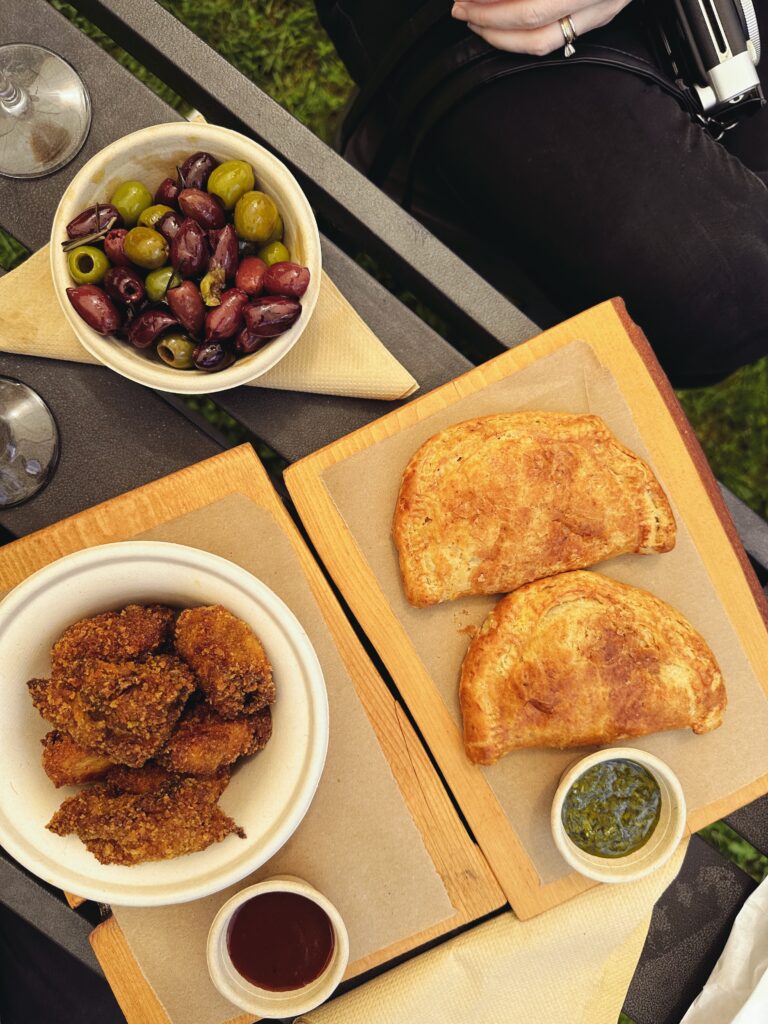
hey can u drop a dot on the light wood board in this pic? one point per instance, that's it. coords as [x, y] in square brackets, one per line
[620, 346]
[465, 874]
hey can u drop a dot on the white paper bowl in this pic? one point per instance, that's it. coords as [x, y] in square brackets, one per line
[259, 1001]
[663, 841]
[150, 155]
[269, 792]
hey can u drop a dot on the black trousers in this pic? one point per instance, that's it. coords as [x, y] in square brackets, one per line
[599, 184]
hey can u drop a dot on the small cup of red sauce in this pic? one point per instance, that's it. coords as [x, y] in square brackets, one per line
[278, 948]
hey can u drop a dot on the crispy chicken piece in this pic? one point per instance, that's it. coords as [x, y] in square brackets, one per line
[66, 763]
[204, 741]
[53, 700]
[181, 816]
[227, 658]
[152, 777]
[125, 711]
[127, 635]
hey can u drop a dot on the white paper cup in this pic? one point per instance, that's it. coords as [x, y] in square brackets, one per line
[663, 840]
[263, 1002]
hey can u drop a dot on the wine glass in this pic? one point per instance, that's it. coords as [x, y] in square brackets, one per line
[45, 111]
[29, 442]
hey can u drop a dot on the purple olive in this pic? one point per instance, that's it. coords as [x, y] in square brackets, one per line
[270, 315]
[226, 319]
[250, 275]
[95, 307]
[124, 285]
[224, 250]
[187, 306]
[202, 207]
[212, 356]
[93, 220]
[169, 225]
[286, 279]
[149, 325]
[246, 342]
[196, 170]
[114, 243]
[167, 192]
[189, 249]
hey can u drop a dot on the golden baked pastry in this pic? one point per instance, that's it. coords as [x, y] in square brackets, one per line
[492, 503]
[580, 659]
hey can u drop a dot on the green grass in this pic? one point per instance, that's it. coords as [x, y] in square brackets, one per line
[731, 421]
[279, 45]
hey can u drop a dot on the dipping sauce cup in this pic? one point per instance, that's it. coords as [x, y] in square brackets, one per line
[278, 948]
[658, 844]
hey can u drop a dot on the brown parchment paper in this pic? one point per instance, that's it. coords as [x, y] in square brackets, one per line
[357, 844]
[524, 782]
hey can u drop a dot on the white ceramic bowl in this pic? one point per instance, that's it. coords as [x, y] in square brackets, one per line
[269, 792]
[259, 1001]
[663, 841]
[150, 155]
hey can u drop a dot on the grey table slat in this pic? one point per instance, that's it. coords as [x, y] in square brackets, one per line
[752, 529]
[751, 822]
[115, 435]
[37, 905]
[690, 925]
[296, 423]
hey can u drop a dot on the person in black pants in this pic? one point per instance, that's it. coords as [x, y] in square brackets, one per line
[590, 171]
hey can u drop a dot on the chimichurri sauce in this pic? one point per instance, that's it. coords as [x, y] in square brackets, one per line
[612, 809]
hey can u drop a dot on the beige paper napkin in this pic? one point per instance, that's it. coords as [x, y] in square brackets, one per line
[573, 963]
[337, 354]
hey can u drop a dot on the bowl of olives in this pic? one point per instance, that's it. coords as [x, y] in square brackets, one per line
[186, 258]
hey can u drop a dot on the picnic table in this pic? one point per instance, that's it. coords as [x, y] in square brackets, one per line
[116, 435]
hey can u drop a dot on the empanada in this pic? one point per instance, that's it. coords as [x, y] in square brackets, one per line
[580, 659]
[492, 503]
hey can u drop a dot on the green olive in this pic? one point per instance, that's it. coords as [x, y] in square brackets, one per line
[157, 282]
[149, 217]
[275, 252]
[131, 198]
[87, 264]
[146, 248]
[231, 180]
[255, 216]
[279, 230]
[176, 349]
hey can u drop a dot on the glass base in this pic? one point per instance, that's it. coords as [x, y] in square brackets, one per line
[29, 443]
[45, 111]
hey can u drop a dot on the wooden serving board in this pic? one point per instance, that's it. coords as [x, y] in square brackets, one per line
[351, 535]
[465, 875]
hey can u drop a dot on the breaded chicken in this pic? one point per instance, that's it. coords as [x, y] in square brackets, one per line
[125, 712]
[127, 635]
[204, 741]
[179, 817]
[151, 777]
[53, 701]
[227, 658]
[66, 763]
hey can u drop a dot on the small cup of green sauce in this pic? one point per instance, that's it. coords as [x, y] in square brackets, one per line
[618, 814]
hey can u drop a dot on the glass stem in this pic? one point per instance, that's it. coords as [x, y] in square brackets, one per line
[13, 100]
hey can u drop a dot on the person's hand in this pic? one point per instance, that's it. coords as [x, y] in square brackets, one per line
[532, 26]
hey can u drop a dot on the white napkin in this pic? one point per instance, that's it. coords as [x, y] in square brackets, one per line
[737, 990]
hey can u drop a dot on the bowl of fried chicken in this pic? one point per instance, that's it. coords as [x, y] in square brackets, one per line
[165, 723]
